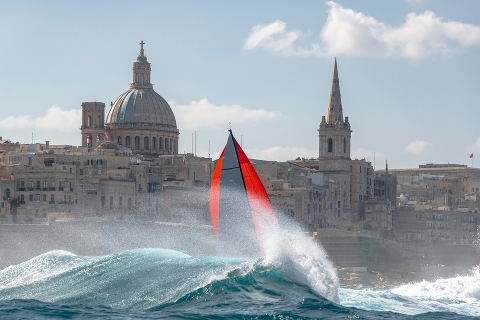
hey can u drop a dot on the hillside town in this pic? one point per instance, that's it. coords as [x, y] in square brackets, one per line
[128, 168]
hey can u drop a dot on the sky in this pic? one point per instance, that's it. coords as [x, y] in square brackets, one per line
[409, 72]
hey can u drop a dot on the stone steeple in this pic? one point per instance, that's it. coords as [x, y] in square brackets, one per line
[335, 111]
[141, 71]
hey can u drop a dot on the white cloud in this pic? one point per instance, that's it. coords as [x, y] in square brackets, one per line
[353, 33]
[202, 114]
[274, 38]
[417, 147]
[56, 119]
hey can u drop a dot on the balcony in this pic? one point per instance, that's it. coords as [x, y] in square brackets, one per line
[22, 189]
[51, 188]
[65, 202]
[60, 188]
[21, 202]
[31, 189]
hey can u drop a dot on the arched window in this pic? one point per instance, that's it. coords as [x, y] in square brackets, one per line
[7, 194]
[145, 143]
[344, 145]
[119, 140]
[127, 141]
[137, 142]
[330, 145]
[89, 141]
[166, 144]
[99, 137]
[171, 145]
[154, 143]
[136, 77]
[141, 77]
[89, 121]
[99, 121]
[160, 143]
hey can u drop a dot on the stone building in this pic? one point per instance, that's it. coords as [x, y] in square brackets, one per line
[362, 185]
[139, 119]
[334, 150]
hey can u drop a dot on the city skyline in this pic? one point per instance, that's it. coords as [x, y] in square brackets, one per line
[407, 70]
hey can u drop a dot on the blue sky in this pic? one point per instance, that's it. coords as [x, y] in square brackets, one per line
[409, 72]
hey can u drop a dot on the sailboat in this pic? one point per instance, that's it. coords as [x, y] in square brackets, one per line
[240, 209]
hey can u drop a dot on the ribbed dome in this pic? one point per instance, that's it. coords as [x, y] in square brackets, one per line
[141, 106]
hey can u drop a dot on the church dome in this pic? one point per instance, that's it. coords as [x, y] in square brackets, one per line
[140, 118]
[143, 106]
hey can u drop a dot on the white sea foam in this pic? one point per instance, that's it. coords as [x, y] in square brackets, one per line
[301, 259]
[460, 295]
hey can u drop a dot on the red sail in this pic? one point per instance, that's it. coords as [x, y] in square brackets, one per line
[239, 205]
[215, 194]
[262, 210]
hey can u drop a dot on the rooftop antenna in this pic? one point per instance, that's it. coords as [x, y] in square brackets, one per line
[209, 148]
[195, 143]
[192, 142]
[32, 137]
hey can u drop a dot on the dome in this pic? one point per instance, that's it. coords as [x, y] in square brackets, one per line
[140, 119]
[142, 106]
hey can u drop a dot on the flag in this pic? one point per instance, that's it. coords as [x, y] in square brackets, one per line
[471, 156]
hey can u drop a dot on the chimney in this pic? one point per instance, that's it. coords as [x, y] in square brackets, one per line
[47, 145]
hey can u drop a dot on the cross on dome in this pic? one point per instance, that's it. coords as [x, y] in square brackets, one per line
[141, 48]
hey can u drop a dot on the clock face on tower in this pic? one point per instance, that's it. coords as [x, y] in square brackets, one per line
[329, 165]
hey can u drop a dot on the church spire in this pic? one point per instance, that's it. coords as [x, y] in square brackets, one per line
[335, 111]
[141, 71]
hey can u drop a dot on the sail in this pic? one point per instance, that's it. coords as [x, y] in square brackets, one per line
[239, 205]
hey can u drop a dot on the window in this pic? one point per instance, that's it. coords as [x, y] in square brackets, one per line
[145, 143]
[38, 184]
[160, 143]
[111, 202]
[330, 145]
[52, 198]
[120, 202]
[154, 143]
[30, 197]
[129, 203]
[137, 142]
[166, 144]
[89, 121]
[119, 140]
[44, 197]
[127, 141]
[102, 201]
[344, 145]
[81, 172]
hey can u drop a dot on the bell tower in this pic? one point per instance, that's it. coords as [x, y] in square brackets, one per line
[93, 124]
[334, 149]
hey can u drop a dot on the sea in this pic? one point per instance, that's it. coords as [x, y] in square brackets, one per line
[292, 279]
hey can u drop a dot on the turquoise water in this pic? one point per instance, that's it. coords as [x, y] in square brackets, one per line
[158, 283]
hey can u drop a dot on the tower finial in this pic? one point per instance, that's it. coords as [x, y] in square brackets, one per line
[141, 48]
[335, 104]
